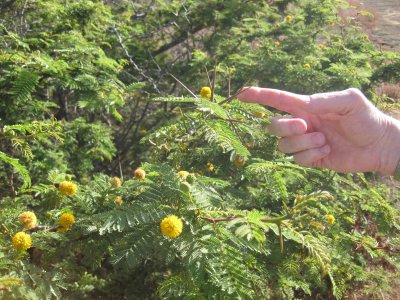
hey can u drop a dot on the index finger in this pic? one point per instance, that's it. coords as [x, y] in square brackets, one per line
[284, 101]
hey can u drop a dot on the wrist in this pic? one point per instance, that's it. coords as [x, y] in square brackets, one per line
[390, 151]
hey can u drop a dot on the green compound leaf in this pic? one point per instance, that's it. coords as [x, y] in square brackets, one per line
[20, 169]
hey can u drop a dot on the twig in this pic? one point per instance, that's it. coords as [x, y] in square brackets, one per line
[230, 218]
[216, 220]
[241, 90]
[181, 83]
[213, 82]
[46, 228]
[131, 61]
[208, 76]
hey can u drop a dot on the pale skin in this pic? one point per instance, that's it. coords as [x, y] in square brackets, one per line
[342, 131]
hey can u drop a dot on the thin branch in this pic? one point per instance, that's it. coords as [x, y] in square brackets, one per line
[213, 83]
[230, 218]
[131, 61]
[184, 35]
[44, 228]
[241, 90]
[216, 220]
[208, 76]
[181, 83]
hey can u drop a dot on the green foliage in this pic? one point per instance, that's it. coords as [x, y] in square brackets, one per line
[254, 223]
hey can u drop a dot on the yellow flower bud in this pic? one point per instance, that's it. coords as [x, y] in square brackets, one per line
[118, 200]
[115, 182]
[183, 174]
[289, 19]
[259, 114]
[210, 167]
[307, 66]
[330, 219]
[140, 174]
[239, 161]
[205, 92]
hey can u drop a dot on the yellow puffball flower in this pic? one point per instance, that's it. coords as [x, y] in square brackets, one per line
[330, 219]
[277, 44]
[143, 131]
[118, 200]
[140, 174]
[289, 19]
[183, 174]
[62, 229]
[331, 23]
[115, 182]
[239, 161]
[307, 66]
[68, 188]
[210, 167]
[259, 114]
[22, 241]
[28, 219]
[205, 92]
[322, 46]
[171, 226]
[66, 220]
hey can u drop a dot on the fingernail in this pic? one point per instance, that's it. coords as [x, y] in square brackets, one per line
[325, 149]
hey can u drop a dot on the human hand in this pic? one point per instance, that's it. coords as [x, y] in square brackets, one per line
[341, 131]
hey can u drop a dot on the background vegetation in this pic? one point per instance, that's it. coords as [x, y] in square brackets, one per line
[91, 90]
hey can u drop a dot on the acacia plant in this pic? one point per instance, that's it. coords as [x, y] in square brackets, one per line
[129, 170]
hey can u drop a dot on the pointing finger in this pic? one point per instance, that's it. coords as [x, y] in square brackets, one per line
[281, 100]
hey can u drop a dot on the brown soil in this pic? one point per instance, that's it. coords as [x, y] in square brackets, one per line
[385, 30]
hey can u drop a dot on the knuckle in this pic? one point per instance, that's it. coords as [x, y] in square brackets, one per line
[357, 95]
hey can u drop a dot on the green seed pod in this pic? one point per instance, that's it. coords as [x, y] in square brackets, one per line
[185, 187]
[191, 178]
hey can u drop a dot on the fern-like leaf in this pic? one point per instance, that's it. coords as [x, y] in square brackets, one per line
[20, 169]
[24, 85]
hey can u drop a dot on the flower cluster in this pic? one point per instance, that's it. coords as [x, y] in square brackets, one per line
[22, 241]
[68, 188]
[115, 182]
[66, 221]
[171, 226]
[140, 174]
[28, 219]
[330, 219]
